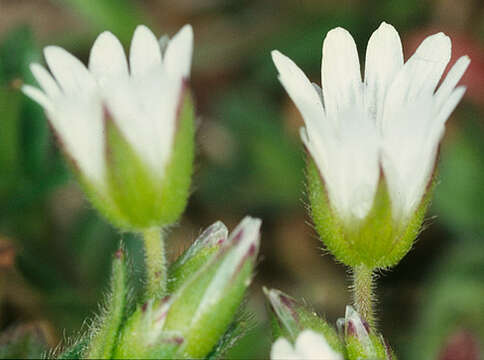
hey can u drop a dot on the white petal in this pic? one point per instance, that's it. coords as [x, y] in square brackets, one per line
[69, 72]
[422, 72]
[340, 72]
[283, 350]
[311, 345]
[178, 54]
[451, 80]
[78, 121]
[107, 58]
[353, 170]
[38, 96]
[384, 58]
[345, 149]
[408, 153]
[450, 104]
[145, 110]
[429, 62]
[300, 90]
[45, 80]
[145, 52]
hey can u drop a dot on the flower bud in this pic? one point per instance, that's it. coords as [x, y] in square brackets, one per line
[143, 335]
[192, 320]
[197, 255]
[289, 319]
[128, 132]
[361, 342]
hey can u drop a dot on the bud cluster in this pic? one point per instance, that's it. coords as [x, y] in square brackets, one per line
[207, 284]
[352, 339]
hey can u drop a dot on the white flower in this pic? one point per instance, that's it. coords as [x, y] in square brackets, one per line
[309, 345]
[392, 121]
[142, 100]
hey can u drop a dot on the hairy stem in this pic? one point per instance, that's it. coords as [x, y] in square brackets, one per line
[155, 260]
[363, 293]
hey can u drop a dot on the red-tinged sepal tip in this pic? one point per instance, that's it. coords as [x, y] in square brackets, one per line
[289, 318]
[197, 255]
[360, 340]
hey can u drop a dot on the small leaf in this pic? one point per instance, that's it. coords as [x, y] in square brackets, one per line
[105, 338]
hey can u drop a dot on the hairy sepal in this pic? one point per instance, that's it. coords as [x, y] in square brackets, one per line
[377, 241]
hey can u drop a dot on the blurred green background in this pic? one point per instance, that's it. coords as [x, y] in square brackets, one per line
[55, 251]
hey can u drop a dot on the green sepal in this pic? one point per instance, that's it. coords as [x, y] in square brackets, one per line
[175, 189]
[242, 324]
[377, 241]
[143, 337]
[361, 341]
[204, 307]
[143, 197]
[107, 327]
[290, 318]
[97, 194]
[101, 199]
[197, 255]
[355, 350]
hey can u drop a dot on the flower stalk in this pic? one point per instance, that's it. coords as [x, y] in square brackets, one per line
[363, 293]
[155, 259]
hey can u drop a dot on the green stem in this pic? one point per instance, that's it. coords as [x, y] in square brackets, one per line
[363, 293]
[155, 260]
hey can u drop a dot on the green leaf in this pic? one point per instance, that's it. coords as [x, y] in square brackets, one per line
[105, 337]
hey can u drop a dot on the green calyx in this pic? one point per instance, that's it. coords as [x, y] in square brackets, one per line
[376, 349]
[377, 241]
[143, 198]
[289, 318]
[135, 197]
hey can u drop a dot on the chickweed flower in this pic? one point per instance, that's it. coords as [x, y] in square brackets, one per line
[374, 142]
[309, 345]
[127, 129]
